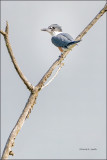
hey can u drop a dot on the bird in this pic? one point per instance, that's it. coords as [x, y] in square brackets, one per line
[63, 41]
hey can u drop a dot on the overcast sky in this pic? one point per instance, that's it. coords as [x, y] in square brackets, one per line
[70, 113]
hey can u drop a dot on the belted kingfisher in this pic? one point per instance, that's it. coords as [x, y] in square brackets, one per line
[61, 40]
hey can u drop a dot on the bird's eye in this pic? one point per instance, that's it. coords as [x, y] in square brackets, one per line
[51, 27]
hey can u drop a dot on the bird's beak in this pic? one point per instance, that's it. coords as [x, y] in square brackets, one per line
[44, 29]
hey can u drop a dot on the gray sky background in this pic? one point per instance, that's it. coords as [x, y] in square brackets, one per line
[71, 112]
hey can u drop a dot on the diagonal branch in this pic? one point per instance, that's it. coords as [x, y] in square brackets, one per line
[24, 79]
[86, 29]
[54, 76]
[60, 59]
[10, 142]
[32, 99]
[3, 33]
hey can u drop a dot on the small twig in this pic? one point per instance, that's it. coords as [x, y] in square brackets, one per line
[54, 75]
[7, 28]
[3, 33]
[24, 79]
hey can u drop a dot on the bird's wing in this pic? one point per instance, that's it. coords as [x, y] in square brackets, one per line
[62, 40]
[67, 36]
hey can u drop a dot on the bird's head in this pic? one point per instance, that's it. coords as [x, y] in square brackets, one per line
[53, 29]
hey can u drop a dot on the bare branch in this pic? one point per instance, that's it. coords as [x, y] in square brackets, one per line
[79, 37]
[3, 33]
[10, 142]
[54, 76]
[24, 79]
[7, 28]
[32, 99]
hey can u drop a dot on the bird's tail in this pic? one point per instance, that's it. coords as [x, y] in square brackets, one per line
[74, 42]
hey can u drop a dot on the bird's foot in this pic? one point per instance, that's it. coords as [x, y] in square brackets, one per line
[61, 56]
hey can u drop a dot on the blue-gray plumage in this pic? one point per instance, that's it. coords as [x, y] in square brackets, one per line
[63, 40]
[60, 39]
